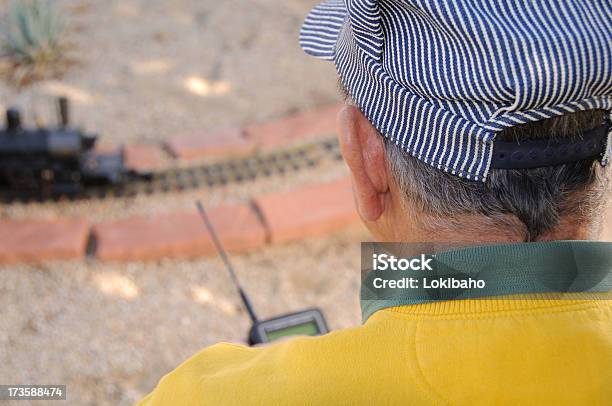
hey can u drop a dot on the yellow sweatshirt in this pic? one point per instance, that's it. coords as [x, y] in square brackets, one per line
[470, 352]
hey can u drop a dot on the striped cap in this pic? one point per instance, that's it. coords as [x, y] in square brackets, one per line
[441, 77]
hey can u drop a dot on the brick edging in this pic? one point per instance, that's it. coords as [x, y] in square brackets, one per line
[182, 149]
[305, 212]
[37, 241]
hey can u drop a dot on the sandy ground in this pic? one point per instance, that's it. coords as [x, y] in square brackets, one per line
[110, 331]
[146, 70]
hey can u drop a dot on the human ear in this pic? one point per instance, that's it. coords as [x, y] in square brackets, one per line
[364, 152]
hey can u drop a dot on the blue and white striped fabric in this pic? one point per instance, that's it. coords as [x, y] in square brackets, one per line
[441, 77]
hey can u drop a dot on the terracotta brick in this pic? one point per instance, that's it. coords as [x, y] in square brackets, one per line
[36, 241]
[105, 146]
[309, 211]
[145, 157]
[230, 142]
[297, 127]
[178, 235]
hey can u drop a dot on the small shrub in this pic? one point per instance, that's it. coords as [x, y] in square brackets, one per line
[34, 41]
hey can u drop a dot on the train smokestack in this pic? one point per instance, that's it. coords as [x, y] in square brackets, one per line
[13, 119]
[64, 111]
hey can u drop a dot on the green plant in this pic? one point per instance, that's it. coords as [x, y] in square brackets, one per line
[34, 39]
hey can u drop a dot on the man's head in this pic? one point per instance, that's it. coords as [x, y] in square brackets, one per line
[403, 199]
[472, 121]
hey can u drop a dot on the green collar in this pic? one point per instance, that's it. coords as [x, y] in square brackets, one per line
[507, 269]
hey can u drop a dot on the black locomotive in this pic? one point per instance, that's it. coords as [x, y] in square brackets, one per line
[51, 162]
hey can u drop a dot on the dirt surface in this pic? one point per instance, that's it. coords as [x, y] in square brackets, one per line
[110, 331]
[147, 70]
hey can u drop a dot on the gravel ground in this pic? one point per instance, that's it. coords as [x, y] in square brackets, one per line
[110, 331]
[148, 69]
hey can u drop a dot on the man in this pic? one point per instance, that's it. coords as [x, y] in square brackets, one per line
[482, 122]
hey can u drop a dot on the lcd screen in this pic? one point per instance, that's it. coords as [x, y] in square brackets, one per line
[308, 329]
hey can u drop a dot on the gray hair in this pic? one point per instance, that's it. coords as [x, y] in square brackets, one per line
[529, 202]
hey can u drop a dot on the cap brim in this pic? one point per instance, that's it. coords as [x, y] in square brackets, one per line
[321, 28]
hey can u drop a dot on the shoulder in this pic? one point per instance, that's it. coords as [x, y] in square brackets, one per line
[336, 364]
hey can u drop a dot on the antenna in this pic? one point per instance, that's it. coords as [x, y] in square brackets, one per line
[228, 264]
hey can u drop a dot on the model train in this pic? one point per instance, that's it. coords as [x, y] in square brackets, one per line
[57, 161]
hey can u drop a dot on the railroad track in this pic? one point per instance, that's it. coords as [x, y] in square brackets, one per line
[215, 174]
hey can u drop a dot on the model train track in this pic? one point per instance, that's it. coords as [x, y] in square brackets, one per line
[213, 174]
